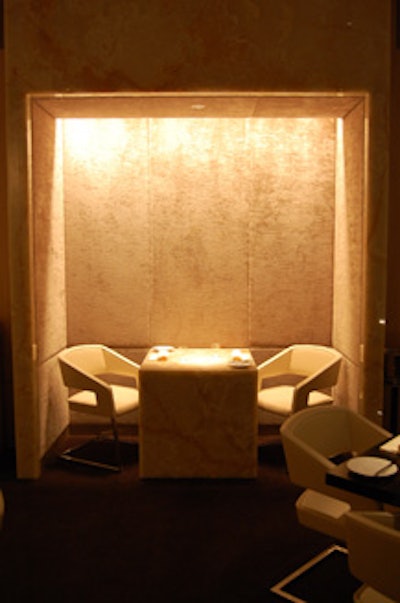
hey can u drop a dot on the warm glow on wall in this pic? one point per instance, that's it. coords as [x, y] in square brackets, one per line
[100, 143]
[174, 134]
[193, 230]
[97, 140]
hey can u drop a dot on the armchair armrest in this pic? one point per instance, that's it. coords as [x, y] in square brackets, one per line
[116, 363]
[277, 365]
[326, 377]
[78, 379]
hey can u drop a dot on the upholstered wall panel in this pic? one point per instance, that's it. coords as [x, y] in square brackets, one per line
[108, 231]
[199, 231]
[49, 281]
[292, 232]
[200, 214]
[49, 247]
[349, 260]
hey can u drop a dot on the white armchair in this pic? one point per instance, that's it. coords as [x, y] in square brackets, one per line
[311, 439]
[316, 369]
[92, 373]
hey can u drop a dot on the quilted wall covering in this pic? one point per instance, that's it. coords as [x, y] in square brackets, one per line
[198, 231]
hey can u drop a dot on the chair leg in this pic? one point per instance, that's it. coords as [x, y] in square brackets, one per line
[71, 456]
[118, 457]
[279, 588]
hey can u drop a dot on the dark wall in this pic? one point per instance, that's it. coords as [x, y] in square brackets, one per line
[393, 267]
[6, 409]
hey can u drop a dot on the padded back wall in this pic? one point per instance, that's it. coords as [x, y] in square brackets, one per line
[51, 413]
[349, 273]
[197, 231]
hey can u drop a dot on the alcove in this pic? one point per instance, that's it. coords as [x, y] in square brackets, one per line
[195, 219]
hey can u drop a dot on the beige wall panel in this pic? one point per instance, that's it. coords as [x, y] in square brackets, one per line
[200, 214]
[49, 244]
[52, 396]
[194, 189]
[108, 235]
[49, 274]
[349, 238]
[292, 232]
[346, 392]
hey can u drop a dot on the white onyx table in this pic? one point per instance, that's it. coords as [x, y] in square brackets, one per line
[198, 414]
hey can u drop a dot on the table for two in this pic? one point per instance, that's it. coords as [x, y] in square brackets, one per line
[198, 413]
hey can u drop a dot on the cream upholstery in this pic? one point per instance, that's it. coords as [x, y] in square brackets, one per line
[322, 513]
[316, 368]
[94, 370]
[373, 541]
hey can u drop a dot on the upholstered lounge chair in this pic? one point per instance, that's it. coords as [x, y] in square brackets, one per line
[93, 375]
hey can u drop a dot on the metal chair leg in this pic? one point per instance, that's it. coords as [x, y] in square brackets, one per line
[279, 588]
[118, 456]
[69, 454]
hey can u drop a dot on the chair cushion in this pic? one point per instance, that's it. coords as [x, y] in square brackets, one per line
[279, 399]
[125, 400]
[322, 513]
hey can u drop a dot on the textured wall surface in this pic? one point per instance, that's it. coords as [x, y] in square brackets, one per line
[196, 231]
[350, 252]
[49, 274]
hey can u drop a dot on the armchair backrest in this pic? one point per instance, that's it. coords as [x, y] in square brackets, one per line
[304, 360]
[312, 359]
[87, 358]
[96, 359]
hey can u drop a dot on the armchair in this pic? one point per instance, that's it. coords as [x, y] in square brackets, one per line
[315, 367]
[311, 439]
[92, 372]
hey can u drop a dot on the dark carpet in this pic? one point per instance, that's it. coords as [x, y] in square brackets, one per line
[80, 535]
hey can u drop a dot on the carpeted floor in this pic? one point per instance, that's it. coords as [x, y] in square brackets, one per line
[80, 535]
